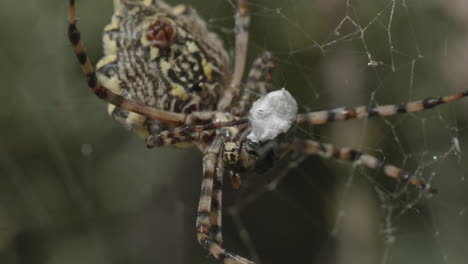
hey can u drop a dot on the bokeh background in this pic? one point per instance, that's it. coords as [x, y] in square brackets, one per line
[77, 188]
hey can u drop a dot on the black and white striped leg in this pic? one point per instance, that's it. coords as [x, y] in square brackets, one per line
[203, 222]
[102, 92]
[242, 40]
[217, 203]
[361, 112]
[187, 133]
[311, 147]
[257, 81]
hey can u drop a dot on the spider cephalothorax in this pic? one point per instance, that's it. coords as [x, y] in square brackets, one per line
[240, 156]
[168, 78]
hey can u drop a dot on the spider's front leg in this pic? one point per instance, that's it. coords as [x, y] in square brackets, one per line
[257, 81]
[311, 147]
[242, 40]
[362, 112]
[205, 208]
[187, 133]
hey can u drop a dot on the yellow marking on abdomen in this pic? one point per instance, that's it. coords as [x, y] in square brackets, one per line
[179, 91]
[144, 40]
[192, 47]
[112, 83]
[114, 25]
[110, 46]
[154, 53]
[137, 124]
[106, 60]
[181, 32]
[110, 109]
[179, 9]
[207, 69]
[148, 2]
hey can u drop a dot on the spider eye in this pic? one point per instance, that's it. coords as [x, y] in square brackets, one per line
[162, 32]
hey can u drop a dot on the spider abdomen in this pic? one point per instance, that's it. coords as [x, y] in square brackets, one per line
[163, 57]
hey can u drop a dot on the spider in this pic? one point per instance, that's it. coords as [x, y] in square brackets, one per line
[169, 79]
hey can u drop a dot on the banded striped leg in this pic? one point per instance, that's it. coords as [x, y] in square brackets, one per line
[311, 147]
[217, 204]
[205, 205]
[361, 112]
[242, 40]
[187, 133]
[102, 92]
[257, 80]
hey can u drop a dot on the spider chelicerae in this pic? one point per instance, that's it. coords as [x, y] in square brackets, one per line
[169, 79]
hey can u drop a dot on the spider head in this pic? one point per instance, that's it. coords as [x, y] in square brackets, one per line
[239, 155]
[231, 152]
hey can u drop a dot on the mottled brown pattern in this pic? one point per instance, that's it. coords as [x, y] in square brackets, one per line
[146, 79]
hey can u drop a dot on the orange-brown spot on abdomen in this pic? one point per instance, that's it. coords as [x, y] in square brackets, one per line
[161, 33]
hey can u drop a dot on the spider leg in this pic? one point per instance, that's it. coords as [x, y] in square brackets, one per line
[259, 77]
[205, 207]
[242, 40]
[216, 203]
[104, 93]
[361, 112]
[117, 6]
[311, 147]
[187, 133]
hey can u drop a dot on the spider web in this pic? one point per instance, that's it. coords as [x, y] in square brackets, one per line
[76, 188]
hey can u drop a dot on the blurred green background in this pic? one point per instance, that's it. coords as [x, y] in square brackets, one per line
[77, 188]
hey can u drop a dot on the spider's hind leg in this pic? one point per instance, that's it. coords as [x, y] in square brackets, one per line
[310, 147]
[258, 80]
